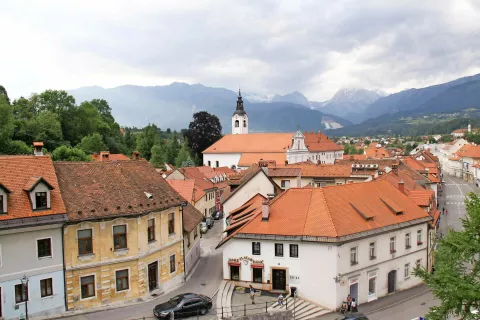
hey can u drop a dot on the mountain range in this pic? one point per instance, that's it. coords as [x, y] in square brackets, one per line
[172, 107]
[351, 111]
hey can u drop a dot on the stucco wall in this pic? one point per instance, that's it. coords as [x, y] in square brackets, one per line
[224, 159]
[192, 252]
[19, 258]
[258, 184]
[105, 260]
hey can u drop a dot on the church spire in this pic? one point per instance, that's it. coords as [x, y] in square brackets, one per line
[239, 110]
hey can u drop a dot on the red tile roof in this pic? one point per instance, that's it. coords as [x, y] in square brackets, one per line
[354, 157]
[252, 143]
[335, 211]
[191, 218]
[377, 153]
[111, 157]
[318, 142]
[184, 188]
[422, 198]
[284, 172]
[472, 152]
[18, 173]
[95, 190]
[394, 179]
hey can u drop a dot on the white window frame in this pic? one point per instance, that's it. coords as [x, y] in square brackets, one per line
[408, 240]
[94, 285]
[129, 282]
[374, 247]
[419, 237]
[51, 248]
[406, 271]
[393, 245]
[354, 252]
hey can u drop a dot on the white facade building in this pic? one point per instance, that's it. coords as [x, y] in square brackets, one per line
[301, 239]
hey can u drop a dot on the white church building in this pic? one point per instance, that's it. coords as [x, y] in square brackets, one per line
[242, 149]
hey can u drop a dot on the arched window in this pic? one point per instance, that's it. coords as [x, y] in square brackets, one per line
[237, 123]
[244, 123]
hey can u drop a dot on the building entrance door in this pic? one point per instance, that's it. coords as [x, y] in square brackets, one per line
[153, 276]
[392, 279]
[1, 303]
[354, 291]
[279, 279]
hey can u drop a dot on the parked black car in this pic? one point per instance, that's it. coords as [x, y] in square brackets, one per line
[183, 305]
[210, 222]
[353, 316]
[218, 215]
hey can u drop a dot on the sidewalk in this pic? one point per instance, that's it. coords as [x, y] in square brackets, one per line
[384, 302]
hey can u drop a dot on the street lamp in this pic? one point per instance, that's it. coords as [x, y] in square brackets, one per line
[25, 292]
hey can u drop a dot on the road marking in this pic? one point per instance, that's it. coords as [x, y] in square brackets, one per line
[456, 203]
[399, 302]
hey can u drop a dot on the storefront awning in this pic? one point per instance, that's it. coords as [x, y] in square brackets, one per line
[257, 265]
[234, 263]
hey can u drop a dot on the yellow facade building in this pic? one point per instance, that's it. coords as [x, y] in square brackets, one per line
[124, 238]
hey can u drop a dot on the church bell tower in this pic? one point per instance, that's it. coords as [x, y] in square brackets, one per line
[239, 118]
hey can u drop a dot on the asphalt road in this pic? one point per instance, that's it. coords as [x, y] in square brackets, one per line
[205, 280]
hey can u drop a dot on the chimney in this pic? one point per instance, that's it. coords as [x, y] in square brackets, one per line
[135, 155]
[373, 176]
[401, 186]
[104, 155]
[38, 148]
[286, 162]
[265, 210]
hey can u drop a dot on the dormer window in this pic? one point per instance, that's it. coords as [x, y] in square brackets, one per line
[41, 200]
[38, 190]
[1, 204]
[3, 199]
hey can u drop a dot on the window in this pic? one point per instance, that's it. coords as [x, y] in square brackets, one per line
[195, 232]
[1, 204]
[294, 250]
[120, 237]
[21, 293]
[121, 277]
[353, 256]
[85, 241]
[407, 241]
[278, 250]
[151, 230]
[419, 237]
[418, 263]
[172, 263]
[87, 286]
[256, 248]
[392, 245]
[41, 200]
[235, 273]
[372, 286]
[44, 248]
[244, 123]
[209, 163]
[257, 275]
[407, 271]
[237, 123]
[46, 287]
[188, 241]
[285, 184]
[217, 164]
[372, 251]
[171, 223]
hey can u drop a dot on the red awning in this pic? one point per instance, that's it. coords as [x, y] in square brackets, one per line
[257, 265]
[234, 263]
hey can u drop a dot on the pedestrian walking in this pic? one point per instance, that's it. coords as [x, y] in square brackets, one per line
[349, 303]
[446, 212]
[354, 305]
[252, 294]
[443, 210]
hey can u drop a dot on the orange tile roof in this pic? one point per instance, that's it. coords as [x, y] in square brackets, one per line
[394, 179]
[318, 142]
[200, 180]
[225, 170]
[323, 170]
[18, 173]
[463, 149]
[459, 131]
[247, 159]
[382, 163]
[422, 198]
[184, 188]
[472, 152]
[191, 217]
[111, 157]
[354, 157]
[284, 172]
[335, 211]
[413, 163]
[252, 143]
[377, 153]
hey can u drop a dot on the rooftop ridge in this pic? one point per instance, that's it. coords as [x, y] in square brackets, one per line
[329, 213]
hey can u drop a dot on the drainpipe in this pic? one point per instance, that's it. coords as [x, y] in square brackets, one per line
[64, 269]
[182, 205]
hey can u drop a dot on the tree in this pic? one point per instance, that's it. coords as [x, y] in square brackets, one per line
[64, 153]
[203, 131]
[3, 92]
[456, 280]
[149, 137]
[447, 138]
[92, 143]
[158, 156]
[173, 147]
[188, 163]
[7, 125]
[44, 127]
[366, 142]
[183, 155]
[17, 147]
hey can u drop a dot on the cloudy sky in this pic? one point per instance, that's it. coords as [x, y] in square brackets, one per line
[265, 46]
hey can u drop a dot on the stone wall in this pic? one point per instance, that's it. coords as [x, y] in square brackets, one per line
[282, 315]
